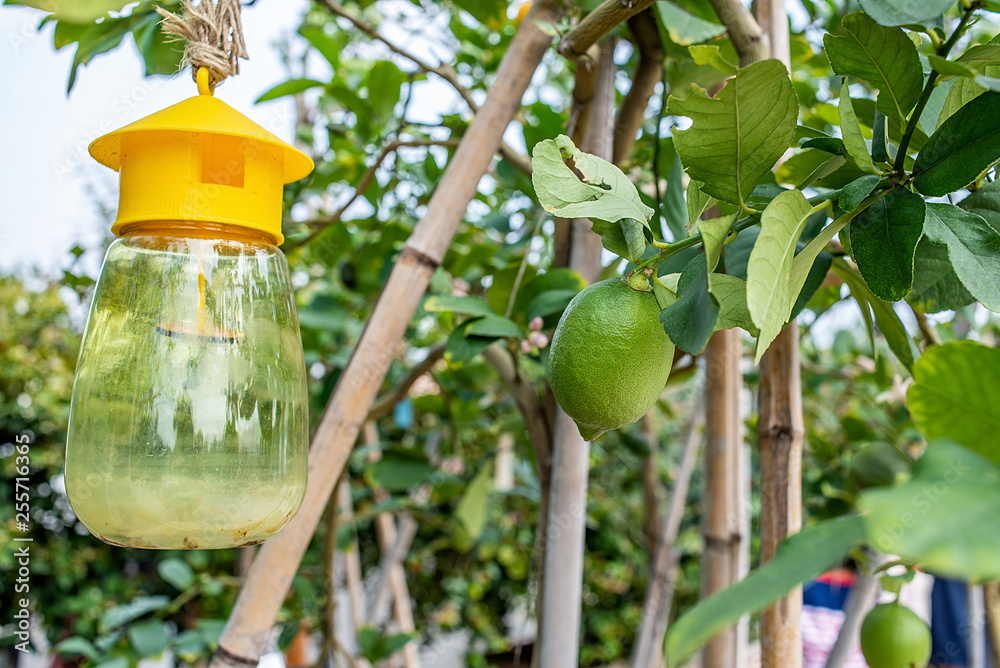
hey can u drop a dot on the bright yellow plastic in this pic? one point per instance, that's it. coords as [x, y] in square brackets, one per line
[200, 161]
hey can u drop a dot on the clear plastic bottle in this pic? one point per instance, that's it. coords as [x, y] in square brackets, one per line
[189, 420]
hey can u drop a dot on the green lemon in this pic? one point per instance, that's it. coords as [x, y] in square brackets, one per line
[610, 358]
[879, 464]
[893, 636]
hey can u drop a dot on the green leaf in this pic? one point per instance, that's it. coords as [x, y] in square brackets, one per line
[985, 202]
[963, 147]
[558, 279]
[690, 321]
[328, 45]
[399, 470]
[123, 614]
[713, 235]
[854, 141]
[674, 207]
[684, 28]
[856, 191]
[471, 510]
[884, 57]
[803, 263]
[888, 321]
[493, 326]
[731, 294]
[883, 240]
[954, 395]
[149, 638]
[936, 286]
[460, 349]
[384, 82]
[665, 295]
[159, 53]
[800, 557]
[290, 87]
[880, 138]
[737, 136]
[551, 303]
[981, 55]
[896, 13]
[710, 54]
[697, 201]
[450, 304]
[100, 38]
[769, 295]
[573, 184]
[973, 248]
[814, 280]
[77, 645]
[487, 12]
[77, 11]
[940, 518]
[176, 572]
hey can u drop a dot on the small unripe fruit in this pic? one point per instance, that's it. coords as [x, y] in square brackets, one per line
[893, 636]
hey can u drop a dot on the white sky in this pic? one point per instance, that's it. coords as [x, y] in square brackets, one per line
[45, 171]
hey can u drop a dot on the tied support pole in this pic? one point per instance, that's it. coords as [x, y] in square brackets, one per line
[245, 636]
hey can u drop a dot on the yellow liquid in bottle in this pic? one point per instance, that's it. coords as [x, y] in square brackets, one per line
[189, 423]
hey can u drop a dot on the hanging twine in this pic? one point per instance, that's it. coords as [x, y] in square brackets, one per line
[214, 37]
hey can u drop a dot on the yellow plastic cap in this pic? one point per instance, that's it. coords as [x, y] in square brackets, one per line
[200, 161]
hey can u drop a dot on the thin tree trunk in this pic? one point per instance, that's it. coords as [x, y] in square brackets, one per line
[647, 650]
[781, 432]
[721, 507]
[246, 633]
[562, 573]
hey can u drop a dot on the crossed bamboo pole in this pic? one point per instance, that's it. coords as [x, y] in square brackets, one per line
[246, 633]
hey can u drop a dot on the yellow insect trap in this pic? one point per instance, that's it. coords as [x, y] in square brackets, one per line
[189, 420]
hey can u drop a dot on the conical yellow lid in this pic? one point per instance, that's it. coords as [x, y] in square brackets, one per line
[200, 160]
[201, 114]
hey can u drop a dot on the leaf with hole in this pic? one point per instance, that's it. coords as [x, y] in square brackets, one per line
[737, 136]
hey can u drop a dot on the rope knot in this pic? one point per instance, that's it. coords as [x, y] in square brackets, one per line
[214, 37]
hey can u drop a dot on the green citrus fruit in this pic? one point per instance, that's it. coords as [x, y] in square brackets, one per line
[879, 464]
[610, 358]
[893, 636]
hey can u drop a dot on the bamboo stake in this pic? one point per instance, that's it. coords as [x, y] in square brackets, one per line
[991, 601]
[648, 648]
[781, 432]
[387, 535]
[562, 574]
[721, 507]
[246, 632]
[352, 560]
